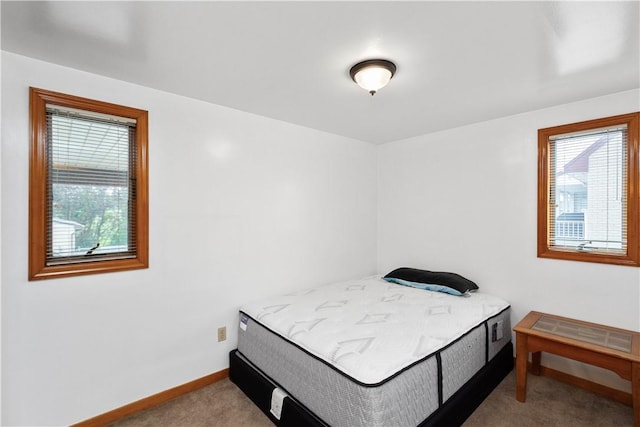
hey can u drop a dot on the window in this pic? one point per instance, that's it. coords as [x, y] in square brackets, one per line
[88, 192]
[588, 191]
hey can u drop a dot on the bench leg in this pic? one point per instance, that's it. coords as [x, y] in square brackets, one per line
[635, 391]
[535, 362]
[522, 355]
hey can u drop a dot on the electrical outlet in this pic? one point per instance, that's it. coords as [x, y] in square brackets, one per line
[222, 333]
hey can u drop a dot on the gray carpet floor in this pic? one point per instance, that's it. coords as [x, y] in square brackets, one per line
[549, 403]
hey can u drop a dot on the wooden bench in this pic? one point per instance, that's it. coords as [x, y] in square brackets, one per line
[614, 349]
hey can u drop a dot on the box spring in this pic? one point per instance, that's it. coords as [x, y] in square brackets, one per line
[443, 388]
[258, 387]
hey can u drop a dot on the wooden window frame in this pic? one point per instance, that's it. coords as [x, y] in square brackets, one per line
[632, 256]
[38, 167]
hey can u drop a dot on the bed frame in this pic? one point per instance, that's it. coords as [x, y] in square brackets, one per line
[258, 387]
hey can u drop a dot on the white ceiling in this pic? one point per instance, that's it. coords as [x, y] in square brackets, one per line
[458, 62]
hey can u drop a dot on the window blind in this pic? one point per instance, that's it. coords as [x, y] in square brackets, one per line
[90, 186]
[587, 191]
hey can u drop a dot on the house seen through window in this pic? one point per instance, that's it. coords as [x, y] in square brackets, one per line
[587, 185]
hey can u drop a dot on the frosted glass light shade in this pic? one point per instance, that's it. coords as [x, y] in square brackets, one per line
[373, 74]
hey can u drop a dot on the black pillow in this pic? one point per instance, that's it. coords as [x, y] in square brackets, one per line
[451, 280]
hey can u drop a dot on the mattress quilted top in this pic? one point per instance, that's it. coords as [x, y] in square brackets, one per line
[371, 329]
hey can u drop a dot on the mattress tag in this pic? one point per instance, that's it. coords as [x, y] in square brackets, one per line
[277, 401]
[244, 319]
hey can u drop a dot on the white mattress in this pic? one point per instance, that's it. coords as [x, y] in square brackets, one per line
[369, 329]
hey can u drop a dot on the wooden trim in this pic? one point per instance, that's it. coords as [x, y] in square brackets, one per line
[38, 269]
[632, 257]
[611, 393]
[152, 401]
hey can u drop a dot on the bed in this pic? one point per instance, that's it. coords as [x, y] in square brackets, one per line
[370, 352]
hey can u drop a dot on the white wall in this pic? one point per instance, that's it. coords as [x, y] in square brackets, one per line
[240, 207]
[1, 303]
[243, 206]
[465, 200]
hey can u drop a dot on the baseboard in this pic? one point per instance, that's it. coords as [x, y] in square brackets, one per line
[611, 393]
[151, 401]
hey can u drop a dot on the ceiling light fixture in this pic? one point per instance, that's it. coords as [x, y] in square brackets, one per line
[373, 74]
